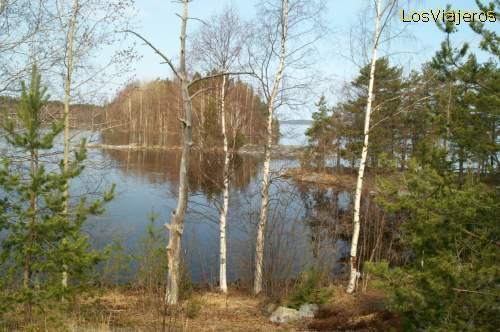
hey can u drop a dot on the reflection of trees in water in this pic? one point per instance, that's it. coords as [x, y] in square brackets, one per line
[124, 137]
[326, 214]
[205, 170]
[307, 224]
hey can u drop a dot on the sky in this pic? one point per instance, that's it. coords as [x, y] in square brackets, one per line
[157, 21]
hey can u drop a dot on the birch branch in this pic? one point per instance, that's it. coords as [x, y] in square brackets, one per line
[157, 51]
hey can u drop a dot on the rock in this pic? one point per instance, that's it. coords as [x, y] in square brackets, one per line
[284, 315]
[269, 308]
[308, 310]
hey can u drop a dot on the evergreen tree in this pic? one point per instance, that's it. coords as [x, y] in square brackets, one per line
[490, 41]
[321, 133]
[467, 105]
[450, 282]
[448, 212]
[387, 130]
[41, 241]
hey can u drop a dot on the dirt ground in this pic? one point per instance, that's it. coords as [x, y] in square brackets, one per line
[363, 311]
[239, 311]
[328, 179]
[235, 311]
[120, 310]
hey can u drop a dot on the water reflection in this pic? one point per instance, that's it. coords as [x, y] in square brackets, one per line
[305, 222]
[205, 168]
[326, 214]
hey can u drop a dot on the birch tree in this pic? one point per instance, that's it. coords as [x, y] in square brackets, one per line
[23, 24]
[259, 244]
[382, 16]
[176, 225]
[67, 99]
[288, 30]
[218, 47]
[79, 29]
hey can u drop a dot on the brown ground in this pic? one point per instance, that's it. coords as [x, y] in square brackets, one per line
[344, 180]
[239, 311]
[363, 311]
[127, 311]
[233, 312]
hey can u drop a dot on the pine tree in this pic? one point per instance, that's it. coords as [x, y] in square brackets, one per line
[387, 91]
[41, 240]
[490, 41]
[450, 232]
[321, 133]
[467, 103]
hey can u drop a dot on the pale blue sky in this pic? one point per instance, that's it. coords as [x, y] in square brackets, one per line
[156, 20]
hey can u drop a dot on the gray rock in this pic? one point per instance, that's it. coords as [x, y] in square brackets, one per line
[284, 315]
[308, 310]
[269, 308]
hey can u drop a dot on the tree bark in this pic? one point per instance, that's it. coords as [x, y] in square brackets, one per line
[32, 221]
[225, 204]
[176, 225]
[359, 183]
[259, 246]
[67, 101]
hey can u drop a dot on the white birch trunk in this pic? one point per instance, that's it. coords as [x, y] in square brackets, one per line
[259, 245]
[354, 274]
[176, 225]
[67, 101]
[225, 204]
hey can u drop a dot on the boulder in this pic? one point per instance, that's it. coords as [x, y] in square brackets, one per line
[308, 310]
[284, 315]
[269, 308]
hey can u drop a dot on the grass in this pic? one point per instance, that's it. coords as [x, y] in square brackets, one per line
[124, 310]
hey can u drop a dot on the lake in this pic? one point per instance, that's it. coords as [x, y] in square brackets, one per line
[303, 220]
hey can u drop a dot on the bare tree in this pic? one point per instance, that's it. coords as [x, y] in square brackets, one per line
[67, 98]
[76, 29]
[218, 47]
[286, 32]
[176, 225]
[382, 15]
[23, 24]
[259, 245]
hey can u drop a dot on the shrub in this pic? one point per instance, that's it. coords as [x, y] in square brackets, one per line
[309, 289]
[193, 307]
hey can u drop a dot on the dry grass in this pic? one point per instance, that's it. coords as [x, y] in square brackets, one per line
[341, 181]
[126, 311]
[233, 312]
[363, 311]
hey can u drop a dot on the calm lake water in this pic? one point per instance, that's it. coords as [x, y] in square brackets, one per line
[302, 227]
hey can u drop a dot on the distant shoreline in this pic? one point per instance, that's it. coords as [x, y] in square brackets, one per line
[284, 151]
[296, 122]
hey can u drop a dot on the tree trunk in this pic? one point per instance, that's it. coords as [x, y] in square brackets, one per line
[338, 156]
[359, 183]
[67, 100]
[176, 225]
[32, 221]
[225, 205]
[259, 247]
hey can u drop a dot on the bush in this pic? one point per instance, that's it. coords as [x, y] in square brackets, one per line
[152, 263]
[450, 282]
[193, 307]
[185, 283]
[309, 290]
